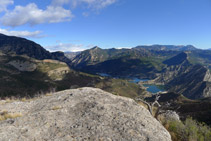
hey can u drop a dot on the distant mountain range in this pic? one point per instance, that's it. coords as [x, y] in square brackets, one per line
[71, 55]
[94, 59]
[168, 47]
[27, 70]
[183, 69]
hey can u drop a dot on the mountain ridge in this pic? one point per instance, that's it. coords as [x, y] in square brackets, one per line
[168, 47]
[22, 46]
[166, 67]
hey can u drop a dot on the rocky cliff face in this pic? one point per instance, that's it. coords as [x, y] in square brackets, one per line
[171, 72]
[81, 114]
[193, 81]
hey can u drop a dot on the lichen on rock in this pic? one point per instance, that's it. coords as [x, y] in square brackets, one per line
[83, 114]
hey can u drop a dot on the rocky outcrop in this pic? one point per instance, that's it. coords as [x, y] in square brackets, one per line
[171, 72]
[193, 81]
[23, 65]
[169, 115]
[81, 114]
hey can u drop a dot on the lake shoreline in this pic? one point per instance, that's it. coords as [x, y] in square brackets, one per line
[149, 85]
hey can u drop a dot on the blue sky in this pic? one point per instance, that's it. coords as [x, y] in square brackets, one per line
[73, 25]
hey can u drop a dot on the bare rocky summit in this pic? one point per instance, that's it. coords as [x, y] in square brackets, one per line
[80, 114]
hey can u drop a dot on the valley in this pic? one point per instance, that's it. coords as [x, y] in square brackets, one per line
[105, 70]
[167, 71]
[163, 67]
[176, 73]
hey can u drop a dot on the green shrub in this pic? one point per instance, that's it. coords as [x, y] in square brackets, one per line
[189, 130]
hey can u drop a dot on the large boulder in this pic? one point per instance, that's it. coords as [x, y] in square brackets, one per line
[80, 114]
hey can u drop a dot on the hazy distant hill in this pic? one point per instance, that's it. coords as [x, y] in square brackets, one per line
[71, 55]
[202, 57]
[152, 55]
[168, 47]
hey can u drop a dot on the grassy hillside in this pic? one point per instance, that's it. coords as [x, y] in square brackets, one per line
[21, 76]
[121, 87]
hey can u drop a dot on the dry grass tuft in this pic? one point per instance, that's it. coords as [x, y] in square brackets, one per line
[6, 115]
[56, 108]
[24, 99]
[48, 94]
[142, 104]
[9, 100]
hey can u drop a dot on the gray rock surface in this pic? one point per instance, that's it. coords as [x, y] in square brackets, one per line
[23, 65]
[81, 114]
[171, 115]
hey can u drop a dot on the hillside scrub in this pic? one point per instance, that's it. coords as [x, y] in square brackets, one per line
[189, 130]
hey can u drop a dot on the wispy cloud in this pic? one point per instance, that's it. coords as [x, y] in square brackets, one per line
[90, 4]
[35, 34]
[93, 4]
[57, 11]
[4, 4]
[31, 14]
[67, 47]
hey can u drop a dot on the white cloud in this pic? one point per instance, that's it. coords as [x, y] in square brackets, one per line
[123, 48]
[35, 34]
[93, 4]
[55, 12]
[66, 47]
[31, 14]
[4, 4]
